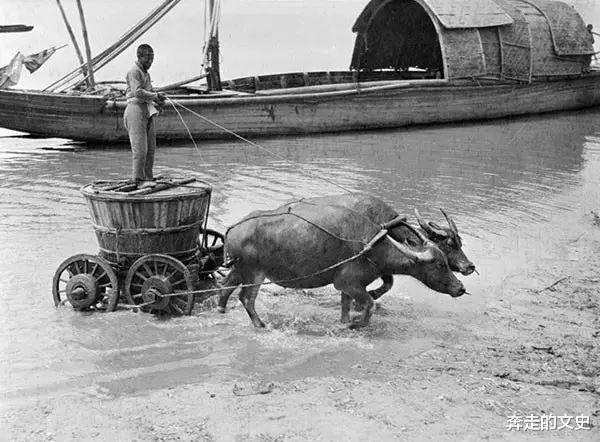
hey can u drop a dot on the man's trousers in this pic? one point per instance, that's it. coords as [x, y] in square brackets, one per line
[142, 137]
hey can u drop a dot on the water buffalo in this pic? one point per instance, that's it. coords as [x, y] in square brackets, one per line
[304, 245]
[378, 211]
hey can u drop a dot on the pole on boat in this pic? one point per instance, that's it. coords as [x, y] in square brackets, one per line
[70, 31]
[179, 83]
[213, 69]
[88, 52]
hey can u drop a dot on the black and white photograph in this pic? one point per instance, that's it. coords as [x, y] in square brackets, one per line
[299, 220]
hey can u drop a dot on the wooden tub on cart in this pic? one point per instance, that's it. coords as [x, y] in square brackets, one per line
[152, 242]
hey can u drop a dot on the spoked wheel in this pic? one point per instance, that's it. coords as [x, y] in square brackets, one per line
[86, 282]
[212, 247]
[154, 275]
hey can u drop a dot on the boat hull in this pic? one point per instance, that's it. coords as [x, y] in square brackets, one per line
[93, 118]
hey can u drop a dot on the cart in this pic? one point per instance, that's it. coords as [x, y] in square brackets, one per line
[152, 242]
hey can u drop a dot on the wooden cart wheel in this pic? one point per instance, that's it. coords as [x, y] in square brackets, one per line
[212, 245]
[86, 281]
[154, 275]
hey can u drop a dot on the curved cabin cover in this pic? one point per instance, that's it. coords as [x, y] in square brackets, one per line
[519, 40]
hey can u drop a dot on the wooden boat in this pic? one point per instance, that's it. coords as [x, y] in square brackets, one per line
[414, 62]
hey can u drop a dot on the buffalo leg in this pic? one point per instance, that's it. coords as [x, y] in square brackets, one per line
[387, 283]
[346, 301]
[363, 298]
[360, 295]
[230, 283]
[248, 296]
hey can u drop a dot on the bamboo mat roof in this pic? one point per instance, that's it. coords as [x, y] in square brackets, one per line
[567, 28]
[451, 14]
[508, 39]
[469, 13]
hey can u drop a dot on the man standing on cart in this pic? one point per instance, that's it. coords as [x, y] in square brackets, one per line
[142, 107]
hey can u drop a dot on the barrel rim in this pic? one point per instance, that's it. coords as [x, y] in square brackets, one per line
[108, 195]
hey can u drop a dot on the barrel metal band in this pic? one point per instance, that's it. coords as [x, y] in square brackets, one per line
[146, 231]
[140, 254]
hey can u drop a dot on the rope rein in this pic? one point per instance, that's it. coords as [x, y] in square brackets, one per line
[186, 127]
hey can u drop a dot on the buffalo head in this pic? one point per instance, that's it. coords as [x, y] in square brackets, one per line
[430, 265]
[449, 242]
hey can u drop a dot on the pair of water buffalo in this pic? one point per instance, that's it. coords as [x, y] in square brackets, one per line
[346, 240]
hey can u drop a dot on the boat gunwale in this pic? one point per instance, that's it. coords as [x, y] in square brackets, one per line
[407, 85]
[353, 88]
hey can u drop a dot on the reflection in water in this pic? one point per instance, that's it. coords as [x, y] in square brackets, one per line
[502, 181]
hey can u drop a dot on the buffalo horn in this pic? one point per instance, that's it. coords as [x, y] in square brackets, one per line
[408, 251]
[430, 228]
[450, 222]
[394, 223]
[422, 222]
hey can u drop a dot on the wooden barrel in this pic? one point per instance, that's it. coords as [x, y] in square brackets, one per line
[167, 220]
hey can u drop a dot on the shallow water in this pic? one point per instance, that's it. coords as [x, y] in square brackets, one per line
[514, 187]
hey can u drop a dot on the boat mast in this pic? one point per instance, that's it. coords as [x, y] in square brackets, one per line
[88, 51]
[213, 69]
[70, 31]
[107, 55]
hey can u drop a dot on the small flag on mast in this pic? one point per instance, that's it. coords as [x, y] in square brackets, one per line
[34, 61]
